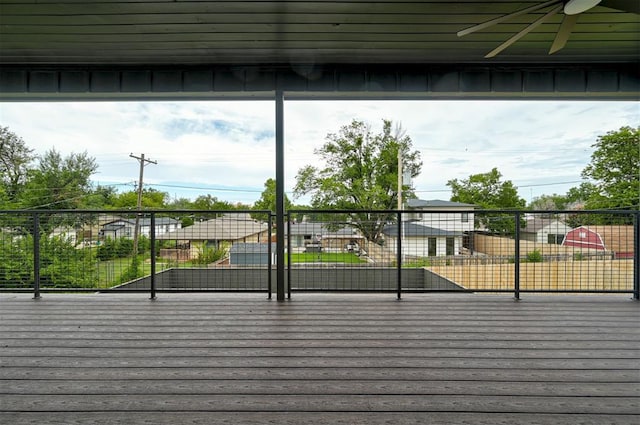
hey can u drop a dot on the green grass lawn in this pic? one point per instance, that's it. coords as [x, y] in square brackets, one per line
[326, 257]
[109, 271]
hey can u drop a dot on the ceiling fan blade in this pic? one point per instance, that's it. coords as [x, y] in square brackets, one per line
[506, 17]
[524, 32]
[563, 33]
[630, 6]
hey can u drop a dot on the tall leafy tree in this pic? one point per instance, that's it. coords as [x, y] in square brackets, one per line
[615, 170]
[267, 200]
[489, 191]
[151, 198]
[15, 160]
[360, 172]
[59, 182]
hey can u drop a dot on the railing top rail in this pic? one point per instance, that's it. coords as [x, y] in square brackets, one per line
[459, 210]
[134, 211]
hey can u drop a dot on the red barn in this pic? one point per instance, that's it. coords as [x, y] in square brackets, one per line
[583, 237]
[618, 239]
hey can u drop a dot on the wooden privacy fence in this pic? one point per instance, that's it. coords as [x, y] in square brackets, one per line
[606, 275]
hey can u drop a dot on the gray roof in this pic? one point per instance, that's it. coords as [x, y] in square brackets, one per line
[226, 228]
[436, 203]
[536, 224]
[411, 229]
[314, 228]
[144, 221]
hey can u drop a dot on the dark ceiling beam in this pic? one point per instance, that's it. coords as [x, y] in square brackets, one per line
[589, 81]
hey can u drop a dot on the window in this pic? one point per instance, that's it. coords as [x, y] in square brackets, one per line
[555, 239]
[464, 217]
[451, 244]
[431, 247]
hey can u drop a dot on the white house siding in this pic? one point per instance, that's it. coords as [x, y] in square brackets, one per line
[542, 235]
[446, 221]
[419, 247]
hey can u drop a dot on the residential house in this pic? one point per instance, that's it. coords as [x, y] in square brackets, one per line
[217, 233]
[444, 215]
[124, 227]
[445, 227]
[313, 236]
[617, 239]
[419, 240]
[544, 230]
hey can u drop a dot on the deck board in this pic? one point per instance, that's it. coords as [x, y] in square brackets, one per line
[319, 359]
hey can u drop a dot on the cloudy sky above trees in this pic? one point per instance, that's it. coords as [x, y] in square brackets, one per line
[226, 148]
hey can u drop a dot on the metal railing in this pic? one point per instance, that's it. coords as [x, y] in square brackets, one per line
[326, 250]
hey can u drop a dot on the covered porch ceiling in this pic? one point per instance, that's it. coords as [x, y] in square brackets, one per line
[357, 48]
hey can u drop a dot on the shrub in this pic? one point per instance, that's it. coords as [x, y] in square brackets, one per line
[534, 257]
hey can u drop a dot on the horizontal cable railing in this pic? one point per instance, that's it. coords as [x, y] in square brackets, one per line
[461, 250]
[178, 250]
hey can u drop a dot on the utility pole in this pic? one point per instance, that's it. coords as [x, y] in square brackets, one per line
[136, 230]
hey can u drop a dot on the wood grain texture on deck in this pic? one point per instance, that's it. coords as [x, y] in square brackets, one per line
[319, 359]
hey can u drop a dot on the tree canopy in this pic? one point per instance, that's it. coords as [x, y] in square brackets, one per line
[615, 170]
[59, 182]
[15, 159]
[359, 171]
[488, 191]
[267, 200]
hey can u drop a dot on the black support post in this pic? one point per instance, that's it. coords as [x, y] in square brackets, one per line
[399, 256]
[280, 196]
[152, 236]
[36, 256]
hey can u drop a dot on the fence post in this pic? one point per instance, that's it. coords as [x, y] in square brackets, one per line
[399, 254]
[516, 257]
[36, 256]
[152, 236]
[636, 257]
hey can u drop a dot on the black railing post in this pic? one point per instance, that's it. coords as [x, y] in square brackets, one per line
[269, 253]
[280, 198]
[36, 256]
[152, 236]
[399, 256]
[288, 256]
[636, 257]
[516, 288]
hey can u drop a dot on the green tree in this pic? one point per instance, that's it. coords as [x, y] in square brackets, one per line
[15, 160]
[57, 182]
[62, 265]
[212, 203]
[267, 200]
[151, 198]
[615, 169]
[488, 191]
[549, 202]
[360, 172]
[578, 196]
[102, 197]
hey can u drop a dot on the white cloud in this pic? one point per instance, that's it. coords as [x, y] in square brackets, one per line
[230, 144]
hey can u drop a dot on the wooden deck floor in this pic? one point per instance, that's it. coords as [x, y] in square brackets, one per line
[319, 359]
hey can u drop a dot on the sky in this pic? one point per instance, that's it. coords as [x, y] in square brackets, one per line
[227, 148]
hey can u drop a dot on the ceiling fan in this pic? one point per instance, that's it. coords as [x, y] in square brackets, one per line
[571, 9]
